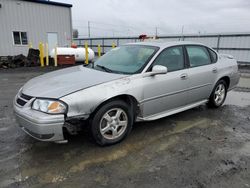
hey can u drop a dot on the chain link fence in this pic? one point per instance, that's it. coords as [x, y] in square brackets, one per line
[237, 45]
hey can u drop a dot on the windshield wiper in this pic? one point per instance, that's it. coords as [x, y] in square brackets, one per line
[105, 68]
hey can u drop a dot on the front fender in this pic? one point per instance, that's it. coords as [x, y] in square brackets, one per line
[84, 102]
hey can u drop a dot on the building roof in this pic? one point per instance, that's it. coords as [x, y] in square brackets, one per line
[50, 3]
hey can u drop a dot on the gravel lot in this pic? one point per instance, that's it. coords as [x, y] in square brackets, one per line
[199, 148]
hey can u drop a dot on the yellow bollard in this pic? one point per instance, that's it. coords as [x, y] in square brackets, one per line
[30, 45]
[113, 45]
[86, 54]
[99, 50]
[41, 49]
[47, 54]
[55, 57]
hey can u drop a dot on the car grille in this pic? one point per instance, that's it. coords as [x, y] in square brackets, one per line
[26, 97]
[23, 99]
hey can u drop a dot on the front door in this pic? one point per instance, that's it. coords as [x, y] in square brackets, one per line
[168, 91]
[52, 41]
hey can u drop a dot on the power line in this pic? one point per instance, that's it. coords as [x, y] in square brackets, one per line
[114, 25]
[128, 29]
[104, 29]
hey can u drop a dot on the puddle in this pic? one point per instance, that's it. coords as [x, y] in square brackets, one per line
[116, 154]
[4, 129]
[185, 125]
[92, 156]
[245, 150]
[241, 99]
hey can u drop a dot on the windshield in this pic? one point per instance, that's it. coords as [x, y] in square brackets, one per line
[128, 59]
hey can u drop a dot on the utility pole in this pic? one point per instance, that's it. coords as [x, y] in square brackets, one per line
[156, 31]
[89, 29]
[182, 32]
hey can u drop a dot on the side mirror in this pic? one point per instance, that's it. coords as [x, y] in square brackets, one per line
[159, 69]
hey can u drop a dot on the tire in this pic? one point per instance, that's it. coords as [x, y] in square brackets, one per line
[218, 94]
[112, 123]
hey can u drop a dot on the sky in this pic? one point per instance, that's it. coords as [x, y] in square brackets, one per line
[135, 17]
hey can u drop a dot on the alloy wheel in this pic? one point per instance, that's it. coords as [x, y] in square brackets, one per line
[113, 123]
[219, 94]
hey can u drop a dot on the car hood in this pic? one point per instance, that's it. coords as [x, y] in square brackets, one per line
[65, 81]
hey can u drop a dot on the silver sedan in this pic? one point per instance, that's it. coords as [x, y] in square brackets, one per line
[134, 82]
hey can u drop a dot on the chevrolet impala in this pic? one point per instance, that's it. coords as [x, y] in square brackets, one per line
[134, 82]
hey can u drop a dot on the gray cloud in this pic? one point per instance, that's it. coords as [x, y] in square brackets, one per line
[133, 17]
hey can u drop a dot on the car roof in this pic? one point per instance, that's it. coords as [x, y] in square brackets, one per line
[164, 44]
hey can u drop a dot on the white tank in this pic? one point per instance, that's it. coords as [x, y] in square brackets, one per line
[79, 53]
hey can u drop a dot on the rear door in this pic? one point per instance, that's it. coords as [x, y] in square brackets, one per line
[202, 73]
[167, 91]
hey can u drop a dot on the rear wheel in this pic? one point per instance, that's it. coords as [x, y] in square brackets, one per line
[218, 95]
[111, 123]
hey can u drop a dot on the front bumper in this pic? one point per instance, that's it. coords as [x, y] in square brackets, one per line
[41, 126]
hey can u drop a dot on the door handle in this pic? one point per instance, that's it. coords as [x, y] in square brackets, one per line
[184, 76]
[214, 70]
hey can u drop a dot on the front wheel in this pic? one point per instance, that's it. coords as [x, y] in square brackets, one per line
[218, 95]
[111, 123]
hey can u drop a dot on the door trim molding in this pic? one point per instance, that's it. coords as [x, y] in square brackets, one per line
[173, 93]
[171, 112]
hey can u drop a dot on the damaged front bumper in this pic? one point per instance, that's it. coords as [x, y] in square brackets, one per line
[41, 126]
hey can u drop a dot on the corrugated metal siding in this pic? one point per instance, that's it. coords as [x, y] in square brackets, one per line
[211, 41]
[36, 19]
[235, 42]
[242, 56]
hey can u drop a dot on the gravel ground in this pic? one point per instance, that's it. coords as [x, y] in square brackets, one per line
[199, 148]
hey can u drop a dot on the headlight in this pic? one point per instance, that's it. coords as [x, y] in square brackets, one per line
[49, 106]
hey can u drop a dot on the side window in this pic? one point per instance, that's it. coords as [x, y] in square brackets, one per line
[16, 36]
[20, 38]
[172, 58]
[198, 56]
[24, 38]
[213, 56]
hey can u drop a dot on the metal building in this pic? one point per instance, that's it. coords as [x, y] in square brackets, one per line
[28, 22]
